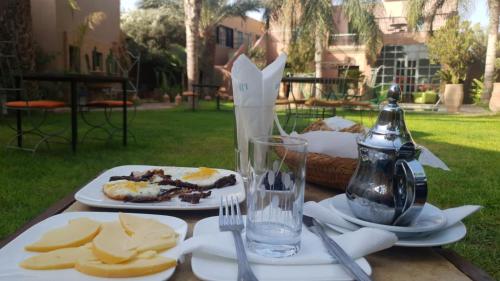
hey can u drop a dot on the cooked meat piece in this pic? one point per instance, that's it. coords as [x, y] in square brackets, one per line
[224, 181]
[194, 198]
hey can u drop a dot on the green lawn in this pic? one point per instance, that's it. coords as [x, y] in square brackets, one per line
[469, 145]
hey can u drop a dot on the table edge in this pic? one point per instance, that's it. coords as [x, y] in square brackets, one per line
[466, 267]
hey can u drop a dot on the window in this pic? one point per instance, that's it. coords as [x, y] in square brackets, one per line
[220, 35]
[74, 58]
[224, 36]
[229, 38]
[239, 39]
[96, 60]
[249, 39]
[409, 66]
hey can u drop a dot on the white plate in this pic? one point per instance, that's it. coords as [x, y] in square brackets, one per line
[13, 253]
[433, 239]
[92, 195]
[431, 218]
[209, 267]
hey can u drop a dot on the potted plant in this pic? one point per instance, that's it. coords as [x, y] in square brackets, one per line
[453, 90]
[453, 46]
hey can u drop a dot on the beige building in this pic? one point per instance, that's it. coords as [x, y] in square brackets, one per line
[403, 59]
[232, 33]
[60, 32]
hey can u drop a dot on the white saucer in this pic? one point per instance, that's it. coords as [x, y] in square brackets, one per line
[431, 218]
[437, 238]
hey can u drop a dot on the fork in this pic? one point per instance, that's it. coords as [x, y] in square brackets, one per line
[230, 220]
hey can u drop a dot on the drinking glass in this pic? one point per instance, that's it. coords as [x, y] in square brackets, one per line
[275, 195]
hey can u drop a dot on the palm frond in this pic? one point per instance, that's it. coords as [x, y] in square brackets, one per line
[215, 11]
[360, 15]
[317, 16]
[425, 11]
[415, 13]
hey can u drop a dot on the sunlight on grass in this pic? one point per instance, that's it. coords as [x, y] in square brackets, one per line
[469, 145]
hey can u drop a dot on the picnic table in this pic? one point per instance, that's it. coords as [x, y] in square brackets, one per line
[396, 263]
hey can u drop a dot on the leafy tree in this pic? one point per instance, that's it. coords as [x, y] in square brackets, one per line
[424, 11]
[459, 37]
[156, 31]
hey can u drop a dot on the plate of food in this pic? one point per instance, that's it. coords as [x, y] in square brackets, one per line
[161, 188]
[95, 246]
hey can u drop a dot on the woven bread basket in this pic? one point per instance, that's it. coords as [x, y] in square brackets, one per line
[322, 169]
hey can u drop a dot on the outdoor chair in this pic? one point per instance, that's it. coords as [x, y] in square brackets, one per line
[30, 105]
[113, 100]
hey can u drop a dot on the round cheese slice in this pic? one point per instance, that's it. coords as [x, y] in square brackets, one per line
[76, 233]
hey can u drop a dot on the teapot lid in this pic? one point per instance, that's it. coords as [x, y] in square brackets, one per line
[389, 132]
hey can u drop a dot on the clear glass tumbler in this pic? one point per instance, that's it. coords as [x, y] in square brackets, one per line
[275, 195]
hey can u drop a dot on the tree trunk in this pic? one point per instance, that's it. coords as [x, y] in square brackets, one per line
[192, 9]
[208, 62]
[318, 60]
[16, 25]
[489, 70]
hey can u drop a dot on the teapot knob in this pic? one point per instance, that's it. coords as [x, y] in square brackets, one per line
[394, 93]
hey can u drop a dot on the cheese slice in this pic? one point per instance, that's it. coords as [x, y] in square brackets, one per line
[148, 234]
[113, 245]
[144, 264]
[58, 259]
[76, 233]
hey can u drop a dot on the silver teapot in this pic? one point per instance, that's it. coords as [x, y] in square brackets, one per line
[389, 185]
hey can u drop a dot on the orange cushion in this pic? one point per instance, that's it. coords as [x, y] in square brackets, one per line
[35, 104]
[189, 94]
[109, 103]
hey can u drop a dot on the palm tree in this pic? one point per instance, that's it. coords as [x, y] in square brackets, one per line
[316, 17]
[213, 12]
[489, 69]
[192, 10]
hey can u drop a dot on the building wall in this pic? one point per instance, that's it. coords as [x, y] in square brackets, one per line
[43, 14]
[55, 28]
[391, 18]
[249, 26]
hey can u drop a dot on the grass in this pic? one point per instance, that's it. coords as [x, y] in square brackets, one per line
[469, 145]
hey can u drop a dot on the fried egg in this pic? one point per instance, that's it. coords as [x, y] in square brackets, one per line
[203, 176]
[133, 191]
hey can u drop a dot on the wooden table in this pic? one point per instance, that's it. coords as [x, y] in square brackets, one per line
[74, 79]
[396, 264]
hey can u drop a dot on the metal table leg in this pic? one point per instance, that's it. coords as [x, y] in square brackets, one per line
[19, 116]
[124, 89]
[74, 115]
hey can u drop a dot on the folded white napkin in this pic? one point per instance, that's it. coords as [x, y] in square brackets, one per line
[337, 144]
[338, 123]
[454, 215]
[357, 244]
[328, 215]
[429, 159]
[255, 93]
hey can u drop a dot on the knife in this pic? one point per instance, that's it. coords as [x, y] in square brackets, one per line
[335, 250]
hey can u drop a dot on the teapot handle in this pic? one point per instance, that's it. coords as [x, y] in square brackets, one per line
[410, 190]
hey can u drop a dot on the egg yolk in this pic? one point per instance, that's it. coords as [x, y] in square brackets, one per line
[202, 173]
